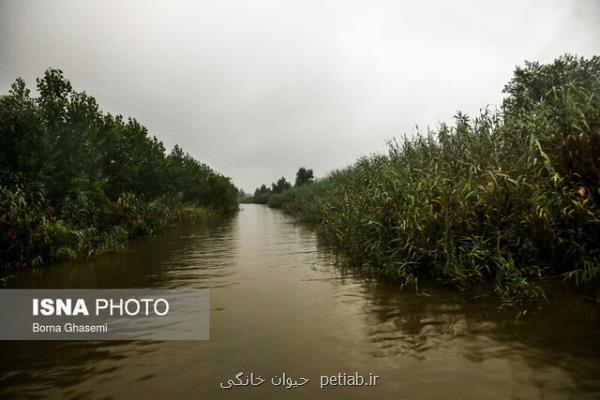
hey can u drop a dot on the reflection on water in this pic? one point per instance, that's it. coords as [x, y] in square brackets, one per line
[280, 303]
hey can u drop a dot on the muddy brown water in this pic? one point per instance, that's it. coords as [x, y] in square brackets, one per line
[280, 302]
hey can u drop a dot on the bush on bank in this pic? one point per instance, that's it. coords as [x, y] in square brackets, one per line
[510, 197]
[75, 180]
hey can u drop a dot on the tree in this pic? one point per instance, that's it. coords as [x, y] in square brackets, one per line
[304, 176]
[281, 186]
[73, 178]
[536, 81]
[262, 194]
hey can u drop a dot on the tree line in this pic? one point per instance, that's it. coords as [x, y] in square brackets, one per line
[74, 179]
[274, 194]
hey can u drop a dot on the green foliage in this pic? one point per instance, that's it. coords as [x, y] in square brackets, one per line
[75, 180]
[275, 200]
[511, 198]
[275, 196]
[261, 195]
[244, 197]
[280, 186]
[304, 176]
[535, 81]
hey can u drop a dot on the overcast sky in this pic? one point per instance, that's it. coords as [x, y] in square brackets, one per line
[257, 89]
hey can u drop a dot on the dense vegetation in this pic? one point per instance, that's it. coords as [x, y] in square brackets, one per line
[510, 197]
[274, 196]
[75, 180]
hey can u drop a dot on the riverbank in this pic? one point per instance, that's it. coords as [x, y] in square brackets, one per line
[77, 181]
[38, 237]
[510, 197]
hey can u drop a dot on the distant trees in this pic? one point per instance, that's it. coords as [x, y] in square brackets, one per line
[304, 176]
[273, 196]
[244, 197]
[280, 186]
[261, 195]
[60, 149]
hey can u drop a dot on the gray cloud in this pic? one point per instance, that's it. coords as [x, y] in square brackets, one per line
[258, 88]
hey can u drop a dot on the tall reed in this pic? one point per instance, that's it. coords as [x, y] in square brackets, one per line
[510, 197]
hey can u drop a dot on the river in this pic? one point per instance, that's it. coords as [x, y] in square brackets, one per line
[280, 302]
